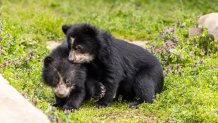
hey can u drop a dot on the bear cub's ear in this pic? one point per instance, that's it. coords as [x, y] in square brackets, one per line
[91, 30]
[48, 60]
[65, 28]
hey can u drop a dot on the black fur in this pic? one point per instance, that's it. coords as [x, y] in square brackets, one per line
[74, 74]
[126, 69]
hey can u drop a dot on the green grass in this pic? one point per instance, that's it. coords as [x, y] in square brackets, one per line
[191, 83]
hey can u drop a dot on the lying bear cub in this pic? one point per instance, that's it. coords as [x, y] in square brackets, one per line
[126, 69]
[69, 81]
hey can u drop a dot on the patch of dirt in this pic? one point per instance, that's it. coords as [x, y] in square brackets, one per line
[139, 43]
[133, 115]
[53, 44]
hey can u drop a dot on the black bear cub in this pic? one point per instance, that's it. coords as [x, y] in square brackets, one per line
[69, 81]
[126, 69]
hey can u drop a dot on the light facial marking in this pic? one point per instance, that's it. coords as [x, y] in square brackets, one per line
[62, 90]
[77, 57]
[72, 40]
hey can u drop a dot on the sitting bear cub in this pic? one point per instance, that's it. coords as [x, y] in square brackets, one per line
[69, 81]
[126, 69]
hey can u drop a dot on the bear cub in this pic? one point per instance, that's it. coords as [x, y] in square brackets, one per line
[69, 81]
[126, 69]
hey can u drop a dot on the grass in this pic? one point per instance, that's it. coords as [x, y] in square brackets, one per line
[190, 64]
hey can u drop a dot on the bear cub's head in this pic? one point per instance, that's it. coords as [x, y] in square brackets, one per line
[62, 76]
[83, 42]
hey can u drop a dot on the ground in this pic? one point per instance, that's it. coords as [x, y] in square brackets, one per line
[190, 64]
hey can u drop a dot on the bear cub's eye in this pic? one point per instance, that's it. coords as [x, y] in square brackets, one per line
[67, 82]
[79, 48]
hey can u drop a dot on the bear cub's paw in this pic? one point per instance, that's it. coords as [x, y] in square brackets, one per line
[69, 107]
[133, 105]
[100, 91]
[101, 104]
[58, 105]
